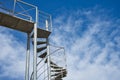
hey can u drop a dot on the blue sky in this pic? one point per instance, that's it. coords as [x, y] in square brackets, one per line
[57, 6]
[88, 29]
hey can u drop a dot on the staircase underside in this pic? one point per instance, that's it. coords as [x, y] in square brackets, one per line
[21, 25]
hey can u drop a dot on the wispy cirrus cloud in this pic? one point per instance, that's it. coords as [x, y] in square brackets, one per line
[91, 38]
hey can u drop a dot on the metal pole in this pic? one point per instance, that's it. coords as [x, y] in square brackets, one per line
[27, 58]
[65, 59]
[14, 7]
[35, 48]
[51, 23]
[48, 58]
[48, 53]
[46, 22]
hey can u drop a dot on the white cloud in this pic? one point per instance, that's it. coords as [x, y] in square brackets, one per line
[91, 38]
[12, 56]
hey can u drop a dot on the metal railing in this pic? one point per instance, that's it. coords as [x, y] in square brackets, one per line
[26, 11]
[42, 66]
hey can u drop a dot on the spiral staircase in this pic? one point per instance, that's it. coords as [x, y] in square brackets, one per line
[57, 72]
[44, 67]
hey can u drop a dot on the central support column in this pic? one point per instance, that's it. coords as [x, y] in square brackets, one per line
[35, 48]
[48, 61]
[35, 54]
[27, 58]
[48, 54]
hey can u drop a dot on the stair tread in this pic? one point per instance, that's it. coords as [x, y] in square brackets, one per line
[53, 65]
[40, 42]
[57, 79]
[60, 74]
[56, 67]
[51, 62]
[42, 33]
[40, 49]
[58, 70]
[43, 55]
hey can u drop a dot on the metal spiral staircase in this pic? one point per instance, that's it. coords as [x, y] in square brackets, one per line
[56, 72]
[37, 25]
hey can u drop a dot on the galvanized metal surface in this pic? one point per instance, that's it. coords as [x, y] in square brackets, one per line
[27, 58]
[35, 48]
[15, 23]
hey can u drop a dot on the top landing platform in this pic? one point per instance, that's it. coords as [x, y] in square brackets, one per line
[22, 25]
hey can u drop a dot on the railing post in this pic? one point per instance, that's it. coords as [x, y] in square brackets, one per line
[65, 59]
[27, 58]
[51, 23]
[46, 22]
[48, 53]
[35, 48]
[14, 7]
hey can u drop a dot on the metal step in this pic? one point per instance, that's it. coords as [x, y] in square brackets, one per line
[56, 67]
[60, 74]
[51, 62]
[57, 79]
[53, 65]
[58, 70]
[40, 42]
[40, 49]
[43, 55]
[41, 33]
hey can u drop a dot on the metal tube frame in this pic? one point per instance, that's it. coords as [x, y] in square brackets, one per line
[20, 1]
[48, 60]
[48, 53]
[27, 58]
[65, 58]
[35, 47]
[14, 7]
[51, 23]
